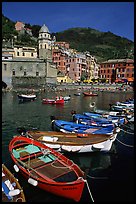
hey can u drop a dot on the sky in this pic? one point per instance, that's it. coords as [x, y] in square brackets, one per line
[116, 17]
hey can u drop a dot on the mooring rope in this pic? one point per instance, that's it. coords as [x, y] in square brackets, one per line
[126, 126]
[124, 143]
[89, 190]
[127, 131]
[97, 177]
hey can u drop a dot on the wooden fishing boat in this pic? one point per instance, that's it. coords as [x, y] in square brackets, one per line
[58, 100]
[27, 97]
[83, 119]
[105, 117]
[72, 142]
[67, 126]
[90, 94]
[46, 168]
[11, 189]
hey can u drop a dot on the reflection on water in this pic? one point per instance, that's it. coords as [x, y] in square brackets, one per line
[110, 175]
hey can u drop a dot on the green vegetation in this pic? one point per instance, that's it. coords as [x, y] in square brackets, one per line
[102, 45]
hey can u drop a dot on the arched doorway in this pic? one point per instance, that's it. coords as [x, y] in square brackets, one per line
[4, 85]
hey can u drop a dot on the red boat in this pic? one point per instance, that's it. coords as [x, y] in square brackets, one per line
[46, 168]
[90, 94]
[58, 100]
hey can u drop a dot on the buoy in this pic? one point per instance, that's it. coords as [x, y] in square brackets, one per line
[16, 168]
[33, 182]
[14, 192]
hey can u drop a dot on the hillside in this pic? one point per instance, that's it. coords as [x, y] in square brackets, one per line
[103, 45]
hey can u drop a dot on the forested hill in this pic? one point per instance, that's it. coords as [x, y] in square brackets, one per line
[102, 45]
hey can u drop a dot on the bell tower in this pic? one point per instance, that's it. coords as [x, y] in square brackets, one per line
[44, 41]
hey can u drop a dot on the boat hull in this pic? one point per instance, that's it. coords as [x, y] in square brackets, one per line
[27, 97]
[76, 143]
[10, 192]
[51, 101]
[70, 188]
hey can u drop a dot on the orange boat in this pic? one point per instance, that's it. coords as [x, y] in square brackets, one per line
[46, 168]
[90, 94]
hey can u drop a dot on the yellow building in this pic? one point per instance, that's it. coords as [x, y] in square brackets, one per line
[61, 78]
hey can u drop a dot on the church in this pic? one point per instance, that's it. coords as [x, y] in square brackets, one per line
[23, 67]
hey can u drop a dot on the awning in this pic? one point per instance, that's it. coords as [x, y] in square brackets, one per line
[130, 79]
[119, 80]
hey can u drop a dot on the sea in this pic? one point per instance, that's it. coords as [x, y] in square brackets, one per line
[110, 175]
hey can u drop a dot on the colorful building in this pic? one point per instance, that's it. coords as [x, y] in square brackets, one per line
[117, 70]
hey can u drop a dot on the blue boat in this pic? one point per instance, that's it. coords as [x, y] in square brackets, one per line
[114, 119]
[66, 126]
[99, 122]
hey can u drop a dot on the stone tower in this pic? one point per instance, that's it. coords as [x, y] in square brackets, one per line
[44, 41]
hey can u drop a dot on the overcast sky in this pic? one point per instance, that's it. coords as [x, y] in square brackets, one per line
[116, 17]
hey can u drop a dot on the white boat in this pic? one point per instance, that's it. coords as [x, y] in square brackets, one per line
[66, 98]
[130, 105]
[28, 97]
[72, 142]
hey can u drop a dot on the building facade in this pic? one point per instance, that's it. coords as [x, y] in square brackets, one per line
[21, 67]
[117, 70]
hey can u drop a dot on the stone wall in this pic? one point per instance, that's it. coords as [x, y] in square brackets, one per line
[28, 72]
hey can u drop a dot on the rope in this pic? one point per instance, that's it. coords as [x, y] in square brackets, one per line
[89, 190]
[127, 131]
[97, 177]
[126, 126]
[124, 143]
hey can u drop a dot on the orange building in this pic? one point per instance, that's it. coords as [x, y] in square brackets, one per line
[117, 70]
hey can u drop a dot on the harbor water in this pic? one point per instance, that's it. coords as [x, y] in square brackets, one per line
[110, 175]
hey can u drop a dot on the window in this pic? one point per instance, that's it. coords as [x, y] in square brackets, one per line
[17, 53]
[24, 73]
[13, 72]
[23, 54]
[37, 73]
[5, 67]
[32, 54]
[45, 46]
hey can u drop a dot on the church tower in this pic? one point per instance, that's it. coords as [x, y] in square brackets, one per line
[44, 41]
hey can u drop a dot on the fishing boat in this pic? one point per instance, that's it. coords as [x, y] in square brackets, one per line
[58, 100]
[99, 122]
[104, 117]
[66, 98]
[127, 104]
[72, 142]
[27, 97]
[77, 94]
[11, 189]
[67, 126]
[121, 108]
[46, 168]
[90, 94]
